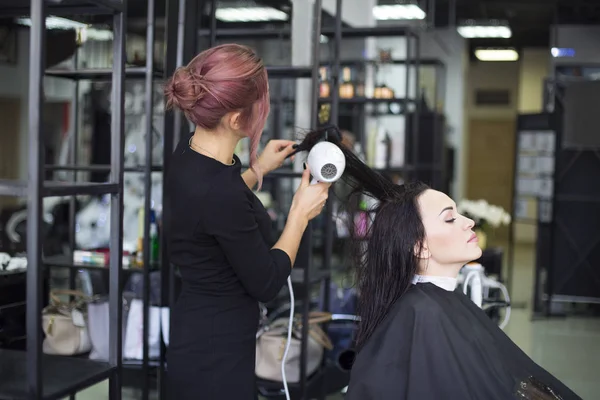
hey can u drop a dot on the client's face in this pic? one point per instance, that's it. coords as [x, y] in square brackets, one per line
[450, 241]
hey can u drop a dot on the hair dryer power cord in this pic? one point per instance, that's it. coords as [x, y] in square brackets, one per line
[289, 339]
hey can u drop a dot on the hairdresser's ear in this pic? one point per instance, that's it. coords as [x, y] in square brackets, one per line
[422, 251]
[233, 120]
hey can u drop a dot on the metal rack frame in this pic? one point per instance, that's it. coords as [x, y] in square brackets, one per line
[53, 377]
[149, 74]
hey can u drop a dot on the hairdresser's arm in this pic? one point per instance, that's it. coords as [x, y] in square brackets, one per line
[290, 238]
[229, 217]
[275, 153]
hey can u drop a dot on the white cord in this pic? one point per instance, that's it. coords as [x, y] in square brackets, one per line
[289, 339]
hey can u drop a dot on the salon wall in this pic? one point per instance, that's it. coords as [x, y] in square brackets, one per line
[523, 80]
[491, 136]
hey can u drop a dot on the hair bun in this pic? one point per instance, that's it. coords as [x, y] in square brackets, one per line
[184, 89]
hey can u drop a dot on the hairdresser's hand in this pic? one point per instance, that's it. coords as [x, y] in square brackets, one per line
[309, 200]
[274, 155]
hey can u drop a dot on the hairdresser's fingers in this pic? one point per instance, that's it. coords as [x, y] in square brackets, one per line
[305, 178]
[286, 151]
[282, 145]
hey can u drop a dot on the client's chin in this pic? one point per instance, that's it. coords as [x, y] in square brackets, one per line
[474, 251]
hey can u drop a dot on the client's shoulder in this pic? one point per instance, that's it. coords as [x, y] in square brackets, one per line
[418, 300]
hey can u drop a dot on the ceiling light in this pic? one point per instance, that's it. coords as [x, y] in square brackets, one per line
[398, 11]
[562, 52]
[250, 14]
[496, 54]
[490, 29]
[55, 23]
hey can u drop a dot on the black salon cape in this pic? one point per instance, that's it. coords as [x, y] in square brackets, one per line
[438, 345]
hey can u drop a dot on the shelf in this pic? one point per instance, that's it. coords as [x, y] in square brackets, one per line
[289, 72]
[67, 262]
[366, 100]
[347, 33]
[61, 376]
[99, 168]
[425, 62]
[100, 74]
[11, 277]
[19, 188]
[63, 8]
[138, 364]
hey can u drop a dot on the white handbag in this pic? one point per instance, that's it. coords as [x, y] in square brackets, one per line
[65, 325]
[271, 343]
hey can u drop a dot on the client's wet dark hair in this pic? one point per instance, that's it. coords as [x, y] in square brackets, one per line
[387, 262]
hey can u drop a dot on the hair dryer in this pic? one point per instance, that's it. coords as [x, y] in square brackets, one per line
[326, 162]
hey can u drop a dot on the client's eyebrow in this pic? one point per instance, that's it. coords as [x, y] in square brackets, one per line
[446, 209]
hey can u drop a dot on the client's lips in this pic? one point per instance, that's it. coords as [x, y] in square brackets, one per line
[473, 238]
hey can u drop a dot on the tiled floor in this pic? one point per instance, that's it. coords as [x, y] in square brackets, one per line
[569, 347]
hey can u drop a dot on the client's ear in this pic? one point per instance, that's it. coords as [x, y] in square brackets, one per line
[422, 251]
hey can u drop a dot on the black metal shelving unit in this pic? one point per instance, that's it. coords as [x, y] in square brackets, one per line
[150, 74]
[30, 374]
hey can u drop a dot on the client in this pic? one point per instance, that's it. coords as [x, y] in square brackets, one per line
[419, 338]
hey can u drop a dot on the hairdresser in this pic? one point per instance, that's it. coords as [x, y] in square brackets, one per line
[220, 234]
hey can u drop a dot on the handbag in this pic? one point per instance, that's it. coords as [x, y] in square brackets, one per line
[271, 343]
[65, 325]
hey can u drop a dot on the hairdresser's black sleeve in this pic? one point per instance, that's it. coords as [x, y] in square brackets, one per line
[436, 345]
[233, 216]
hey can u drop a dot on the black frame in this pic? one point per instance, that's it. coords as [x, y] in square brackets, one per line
[150, 74]
[53, 377]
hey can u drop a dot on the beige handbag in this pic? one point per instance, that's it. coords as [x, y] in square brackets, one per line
[270, 347]
[65, 325]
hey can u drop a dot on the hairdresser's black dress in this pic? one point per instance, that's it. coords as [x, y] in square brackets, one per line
[220, 238]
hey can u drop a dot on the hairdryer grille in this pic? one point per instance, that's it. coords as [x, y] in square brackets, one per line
[329, 171]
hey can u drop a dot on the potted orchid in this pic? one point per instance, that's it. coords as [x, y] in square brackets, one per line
[485, 215]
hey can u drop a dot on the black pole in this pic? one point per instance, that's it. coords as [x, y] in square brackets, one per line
[335, 66]
[314, 120]
[149, 100]
[178, 117]
[167, 292]
[452, 14]
[432, 14]
[116, 213]
[213, 23]
[417, 114]
[74, 159]
[73, 200]
[334, 119]
[37, 54]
